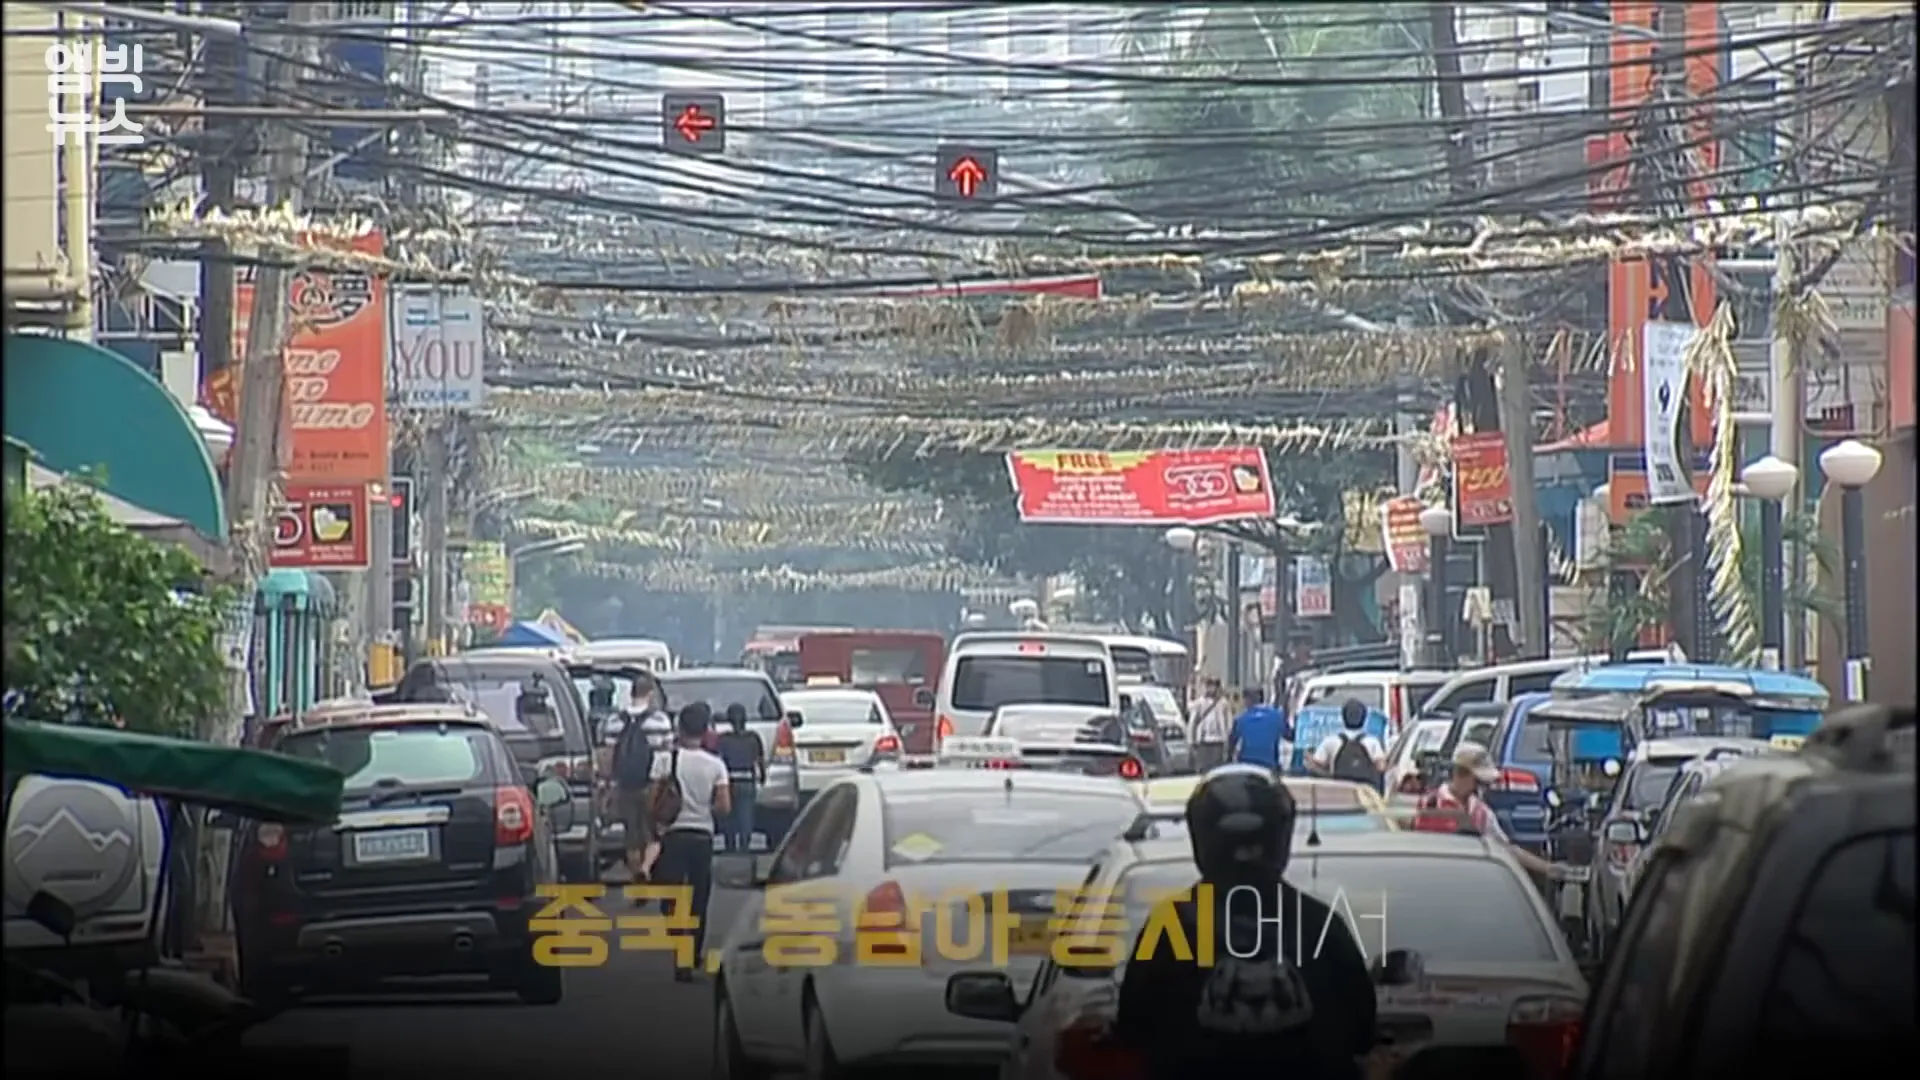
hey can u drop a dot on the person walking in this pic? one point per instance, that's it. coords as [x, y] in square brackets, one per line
[633, 756]
[746, 762]
[1209, 734]
[690, 794]
[1258, 732]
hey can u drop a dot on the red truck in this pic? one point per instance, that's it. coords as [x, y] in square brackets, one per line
[902, 666]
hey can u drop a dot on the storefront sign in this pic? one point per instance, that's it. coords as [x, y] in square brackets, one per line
[1481, 483]
[322, 528]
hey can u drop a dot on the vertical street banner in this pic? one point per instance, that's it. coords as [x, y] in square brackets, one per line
[1148, 487]
[1642, 290]
[439, 350]
[488, 574]
[1402, 536]
[336, 371]
[1482, 486]
[1663, 369]
[1312, 588]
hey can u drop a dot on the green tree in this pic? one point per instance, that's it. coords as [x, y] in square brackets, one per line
[103, 625]
[1297, 151]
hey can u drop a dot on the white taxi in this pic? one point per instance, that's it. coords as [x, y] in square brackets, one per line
[842, 729]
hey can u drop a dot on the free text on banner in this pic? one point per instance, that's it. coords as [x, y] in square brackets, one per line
[1480, 479]
[336, 360]
[1149, 487]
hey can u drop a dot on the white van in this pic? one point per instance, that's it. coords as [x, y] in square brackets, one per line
[993, 668]
[1398, 695]
[1504, 682]
[639, 652]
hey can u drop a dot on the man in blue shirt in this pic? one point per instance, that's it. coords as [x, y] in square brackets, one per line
[1257, 732]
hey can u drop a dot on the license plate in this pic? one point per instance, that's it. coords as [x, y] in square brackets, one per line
[1029, 937]
[392, 845]
[826, 757]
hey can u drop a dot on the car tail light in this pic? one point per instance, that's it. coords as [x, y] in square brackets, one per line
[1002, 763]
[1085, 1050]
[1144, 738]
[1545, 1031]
[943, 729]
[886, 744]
[1518, 780]
[1131, 768]
[271, 840]
[883, 920]
[1396, 706]
[783, 740]
[512, 817]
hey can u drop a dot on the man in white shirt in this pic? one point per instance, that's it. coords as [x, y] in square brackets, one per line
[1210, 726]
[686, 842]
[1365, 760]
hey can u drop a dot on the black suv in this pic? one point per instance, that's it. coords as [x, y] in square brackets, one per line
[1773, 920]
[431, 868]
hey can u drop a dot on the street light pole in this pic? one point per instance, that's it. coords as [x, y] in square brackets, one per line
[1853, 465]
[1182, 540]
[1771, 480]
[1438, 522]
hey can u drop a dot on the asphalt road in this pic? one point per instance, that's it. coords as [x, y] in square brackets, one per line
[629, 1013]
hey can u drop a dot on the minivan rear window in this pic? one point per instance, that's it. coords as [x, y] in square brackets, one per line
[1372, 695]
[748, 693]
[984, 683]
[420, 756]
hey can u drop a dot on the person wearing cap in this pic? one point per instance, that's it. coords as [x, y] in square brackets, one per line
[1459, 798]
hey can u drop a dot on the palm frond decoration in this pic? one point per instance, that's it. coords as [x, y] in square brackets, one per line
[1709, 358]
[1633, 586]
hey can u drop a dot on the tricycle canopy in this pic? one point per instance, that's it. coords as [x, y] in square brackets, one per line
[251, 783]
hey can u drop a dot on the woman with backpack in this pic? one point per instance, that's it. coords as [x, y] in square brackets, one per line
[1351, 754]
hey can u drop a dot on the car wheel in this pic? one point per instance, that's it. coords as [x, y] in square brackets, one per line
[538, 984]
[730, 1061]
[821, 1064]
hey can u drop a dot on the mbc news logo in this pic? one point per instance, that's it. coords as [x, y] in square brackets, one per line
[803, 926]
[72, 94]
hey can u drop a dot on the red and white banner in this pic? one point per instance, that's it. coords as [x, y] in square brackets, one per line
[1402, 535]
[1151, 487]
[1482, 487]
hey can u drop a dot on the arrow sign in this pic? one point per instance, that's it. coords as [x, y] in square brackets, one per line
[693, 123]
[966, 173]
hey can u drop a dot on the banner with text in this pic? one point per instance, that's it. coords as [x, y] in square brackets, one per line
[488, 572]
[322, 527]
[1402, 535]
[439, 345]
[336, 363]
[1151, 487]
[1481, 484]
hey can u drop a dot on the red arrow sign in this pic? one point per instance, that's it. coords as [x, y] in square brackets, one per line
[967, 175]
[692, 123]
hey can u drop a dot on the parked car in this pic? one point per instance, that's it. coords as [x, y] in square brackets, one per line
[433, 867]
[1504, 682]
[535, 706]
[1408, 755]
[1159, 723]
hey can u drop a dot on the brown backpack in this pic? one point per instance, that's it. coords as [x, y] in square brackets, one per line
[663, 802]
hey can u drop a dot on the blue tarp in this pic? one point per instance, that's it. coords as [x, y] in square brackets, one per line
[531, 634]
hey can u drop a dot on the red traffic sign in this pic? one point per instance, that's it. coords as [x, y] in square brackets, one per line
[966, 173]
[693, 123]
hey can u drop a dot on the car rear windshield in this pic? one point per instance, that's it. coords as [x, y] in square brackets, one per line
[984, 683]
[500, 700]
[1373, 696]
[1449, 910]
[750, 694]
[834, 710]
[994, 825]
[411, 757]
[1159, 701]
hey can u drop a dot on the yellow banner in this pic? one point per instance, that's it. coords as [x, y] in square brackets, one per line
[488, 573]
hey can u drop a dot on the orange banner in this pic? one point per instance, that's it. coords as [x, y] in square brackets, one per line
[1482, 487]
[336, 364]
[1402, 534]
[1638, 290]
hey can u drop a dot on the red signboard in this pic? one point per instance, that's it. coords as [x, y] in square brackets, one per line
[1402, 534]
[494, 617]
[1150, 487]
[322, 527]
[1481, 484]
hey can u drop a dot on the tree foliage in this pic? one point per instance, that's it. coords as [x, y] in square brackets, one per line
[102, 624]
[1289, 151]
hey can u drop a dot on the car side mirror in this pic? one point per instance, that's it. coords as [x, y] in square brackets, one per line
[794, 719]
[1398, 967]
[1552, 798]
[923, 698]
[1623, 832]
[551, 791]
[982, 995]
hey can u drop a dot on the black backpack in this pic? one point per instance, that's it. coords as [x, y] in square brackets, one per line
[1353, 762]
[633, 756]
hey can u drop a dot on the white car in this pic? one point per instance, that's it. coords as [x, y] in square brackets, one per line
[925, 846]
[841, 729]
[1403, 777]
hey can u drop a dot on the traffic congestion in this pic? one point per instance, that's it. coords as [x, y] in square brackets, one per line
[954, 857]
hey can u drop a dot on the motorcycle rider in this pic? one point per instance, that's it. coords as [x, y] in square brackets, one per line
[1273, 1002]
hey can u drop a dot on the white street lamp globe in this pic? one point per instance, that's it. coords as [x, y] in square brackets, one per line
[1851, 464]
[1023, 608]
[1437, 520]
[1181, 538]
[215, 432]
[1770, 478]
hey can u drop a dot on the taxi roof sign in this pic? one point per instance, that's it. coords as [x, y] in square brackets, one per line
[823, 680]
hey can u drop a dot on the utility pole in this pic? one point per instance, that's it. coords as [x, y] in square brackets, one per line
[256, 457]
[1786, 373]
[1529, 557]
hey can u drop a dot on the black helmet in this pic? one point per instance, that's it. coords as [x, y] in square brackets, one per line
[1353, 714]
[1241, 822]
